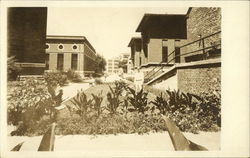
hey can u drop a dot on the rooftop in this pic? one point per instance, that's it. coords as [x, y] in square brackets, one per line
[163, 18]
[133, 39]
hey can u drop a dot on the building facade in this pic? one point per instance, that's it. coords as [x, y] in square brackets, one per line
[160, 40]
[136, 52]
[26, 36]
[75, 53]
[112, 66]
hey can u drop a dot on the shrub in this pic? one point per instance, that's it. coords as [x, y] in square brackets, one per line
[98, 81]
[73, 76]
[190, 112]
[13, 70]
[23, 95]
[112, 124]
[138, 100]
[55, 78]
[28, 102]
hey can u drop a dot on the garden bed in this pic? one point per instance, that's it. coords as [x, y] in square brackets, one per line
[110, 109]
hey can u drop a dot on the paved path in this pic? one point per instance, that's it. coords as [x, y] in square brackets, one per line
[120, 142]
[71, 90]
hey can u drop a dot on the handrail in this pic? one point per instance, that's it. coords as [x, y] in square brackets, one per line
[159, 63]
[200, 39]
[203, 49]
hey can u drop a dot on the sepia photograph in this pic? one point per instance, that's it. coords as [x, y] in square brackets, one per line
[113, 79]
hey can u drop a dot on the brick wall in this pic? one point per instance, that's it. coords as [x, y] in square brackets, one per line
[202, 21]
[197, 80]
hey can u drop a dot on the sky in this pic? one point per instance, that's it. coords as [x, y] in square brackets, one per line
[109, 30]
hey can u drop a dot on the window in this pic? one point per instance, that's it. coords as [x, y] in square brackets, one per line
[164, 50]
[74, 47]
[177, 55]
[74, 62]
[164, 54]
[47, 46]
[59, 61]
[60, 46]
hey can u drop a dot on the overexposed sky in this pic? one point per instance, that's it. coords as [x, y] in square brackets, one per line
[109, 30]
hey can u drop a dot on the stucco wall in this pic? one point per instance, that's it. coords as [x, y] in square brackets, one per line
[155, 50]
[67, 47]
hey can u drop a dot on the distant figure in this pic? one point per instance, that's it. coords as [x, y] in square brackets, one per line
[138, 80]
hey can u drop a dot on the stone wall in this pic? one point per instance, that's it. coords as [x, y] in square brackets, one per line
[196, 80]
[202, 21]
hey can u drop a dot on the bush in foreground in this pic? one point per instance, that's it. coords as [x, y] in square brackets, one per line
[112, 124]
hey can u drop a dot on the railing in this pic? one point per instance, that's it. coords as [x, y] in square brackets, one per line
[213, 45]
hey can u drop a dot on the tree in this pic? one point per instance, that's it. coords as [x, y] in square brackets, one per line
[101, 64]
[13, 69]
[123, 64]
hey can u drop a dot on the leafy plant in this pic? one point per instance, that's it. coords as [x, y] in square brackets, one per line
[97, 103]
[113, 96]
[113, 101]
[82, 105]
[161, 104]
[138, 100]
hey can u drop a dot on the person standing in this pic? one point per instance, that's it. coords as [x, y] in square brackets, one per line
[138, 80]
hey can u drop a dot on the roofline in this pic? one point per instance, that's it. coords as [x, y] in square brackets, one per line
[67, 37]
[138, 29]
[132, 39]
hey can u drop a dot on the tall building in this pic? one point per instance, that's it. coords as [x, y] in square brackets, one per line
[112, 66]
[65, 53]
[26, 35]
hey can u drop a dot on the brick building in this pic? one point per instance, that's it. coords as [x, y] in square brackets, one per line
[202, 22]
[65, 53]
[199, 69]
[26, 35]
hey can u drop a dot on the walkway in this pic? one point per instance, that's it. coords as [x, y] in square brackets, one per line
[71, 90]
[153, 142]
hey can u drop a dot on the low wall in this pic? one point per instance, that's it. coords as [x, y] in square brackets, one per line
[193, 77]
[170, 84]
